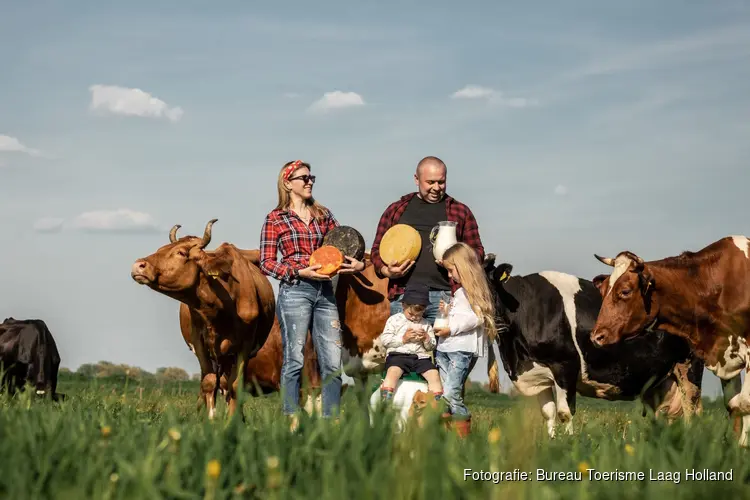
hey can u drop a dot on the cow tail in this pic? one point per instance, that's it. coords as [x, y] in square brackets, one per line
[493, 370]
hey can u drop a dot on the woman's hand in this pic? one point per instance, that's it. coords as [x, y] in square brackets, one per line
[309, 273]
[442, 331]
[351, 266]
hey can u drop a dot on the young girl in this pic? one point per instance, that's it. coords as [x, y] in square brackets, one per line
[471, 319]
[409, 339]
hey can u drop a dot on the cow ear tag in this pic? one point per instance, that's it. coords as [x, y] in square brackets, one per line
[504, 277]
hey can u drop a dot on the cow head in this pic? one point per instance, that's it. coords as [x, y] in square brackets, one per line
[498, 276]
[176, 267]
[627, 308]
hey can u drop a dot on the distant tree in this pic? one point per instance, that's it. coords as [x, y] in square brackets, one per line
[87, 370]
[65, 371]
[172, 373]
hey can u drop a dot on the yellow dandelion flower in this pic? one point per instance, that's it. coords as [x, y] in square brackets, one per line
[114, 477]
[629, 449]
[106, 431]
[213, 469]
[272, 462]
[174, 434]
[583, 467]
[494, 435]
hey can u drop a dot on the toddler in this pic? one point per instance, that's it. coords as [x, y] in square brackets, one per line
[409, 341]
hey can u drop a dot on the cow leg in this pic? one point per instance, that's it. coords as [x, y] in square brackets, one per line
[233, 382]
[546, 400]
[740, 405]
[565, 397]
[209, 379]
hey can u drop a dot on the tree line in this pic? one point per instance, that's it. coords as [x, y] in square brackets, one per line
[106, 369]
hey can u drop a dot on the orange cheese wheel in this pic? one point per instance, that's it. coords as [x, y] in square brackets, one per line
[399, 244]
[329, 258]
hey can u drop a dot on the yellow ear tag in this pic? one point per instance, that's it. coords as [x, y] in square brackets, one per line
[504, 277]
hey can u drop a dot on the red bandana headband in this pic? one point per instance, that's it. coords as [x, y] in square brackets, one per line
[291, 168]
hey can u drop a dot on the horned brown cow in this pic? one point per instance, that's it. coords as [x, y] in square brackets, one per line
[703, 297]
[227, 292]
[364, 308]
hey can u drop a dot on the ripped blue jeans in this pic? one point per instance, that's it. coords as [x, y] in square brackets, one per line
[310, 305]
[454, 368]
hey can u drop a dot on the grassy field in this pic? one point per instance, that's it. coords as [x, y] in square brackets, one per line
[118, 440]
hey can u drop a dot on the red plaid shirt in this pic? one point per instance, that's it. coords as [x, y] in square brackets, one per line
[467, 231]
[283, 231]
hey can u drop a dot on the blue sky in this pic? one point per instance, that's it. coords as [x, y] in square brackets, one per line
[568, 129]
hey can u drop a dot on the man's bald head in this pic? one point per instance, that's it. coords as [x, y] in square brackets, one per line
[430, 161]
[430, 179]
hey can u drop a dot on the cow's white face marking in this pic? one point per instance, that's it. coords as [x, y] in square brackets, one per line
[742, 242]
[622, 263]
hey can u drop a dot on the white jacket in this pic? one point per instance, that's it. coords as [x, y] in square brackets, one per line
[393, 336]
[467, 329]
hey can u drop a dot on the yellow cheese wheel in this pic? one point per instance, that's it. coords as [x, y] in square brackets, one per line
[399, 244]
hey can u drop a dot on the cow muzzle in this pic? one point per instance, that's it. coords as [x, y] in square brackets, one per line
[141, 272]
[599, 338]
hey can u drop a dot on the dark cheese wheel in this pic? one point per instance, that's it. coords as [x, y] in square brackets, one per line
[329, 257]
[348, 240]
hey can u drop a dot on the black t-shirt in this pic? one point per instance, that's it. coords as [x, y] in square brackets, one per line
[423, 216]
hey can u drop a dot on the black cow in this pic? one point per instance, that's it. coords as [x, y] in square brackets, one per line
[28, 353]
[542, 358]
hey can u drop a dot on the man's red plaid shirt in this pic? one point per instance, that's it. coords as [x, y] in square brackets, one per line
[283, 231]
[467, 231]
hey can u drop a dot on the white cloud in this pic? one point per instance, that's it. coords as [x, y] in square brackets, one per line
[121, 220]
[337, 100]
[561, 190]
[13, 145]
[131, 102]
[48, 225]
[493, 97]
[473, 92]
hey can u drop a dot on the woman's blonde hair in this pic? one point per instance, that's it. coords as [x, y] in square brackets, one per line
[317, 210]
[474, 282]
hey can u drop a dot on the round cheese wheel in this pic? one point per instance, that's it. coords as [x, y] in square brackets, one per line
[329, 258]
[348, 240]
[399, 244]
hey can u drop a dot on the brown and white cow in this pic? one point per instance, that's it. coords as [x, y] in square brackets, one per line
[703, 297]
[231, 305]
[362, 301]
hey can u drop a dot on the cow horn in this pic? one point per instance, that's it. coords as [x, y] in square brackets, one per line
[605, 260]
[207, 234]
[173, 233]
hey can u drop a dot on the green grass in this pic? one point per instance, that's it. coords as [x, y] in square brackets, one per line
[114, 440]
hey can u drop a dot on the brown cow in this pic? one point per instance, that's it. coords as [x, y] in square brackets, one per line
[265, 368]
[232, 298]
[679, 394]
[703, 297]
[362, 301]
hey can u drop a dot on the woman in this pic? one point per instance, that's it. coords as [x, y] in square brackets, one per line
[295, 229]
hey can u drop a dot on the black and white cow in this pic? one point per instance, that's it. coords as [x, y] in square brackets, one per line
[545, 359]
[28, 353]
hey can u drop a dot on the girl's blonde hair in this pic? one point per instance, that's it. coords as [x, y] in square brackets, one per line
[317, 210]
[475, 284]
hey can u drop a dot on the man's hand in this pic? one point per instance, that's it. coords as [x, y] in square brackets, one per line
[391, 271]
[442, 331]
[351, 265]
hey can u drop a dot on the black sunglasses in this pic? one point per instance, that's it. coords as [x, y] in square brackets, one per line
[304, 178]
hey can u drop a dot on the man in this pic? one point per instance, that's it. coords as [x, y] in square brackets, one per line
[422, 210]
